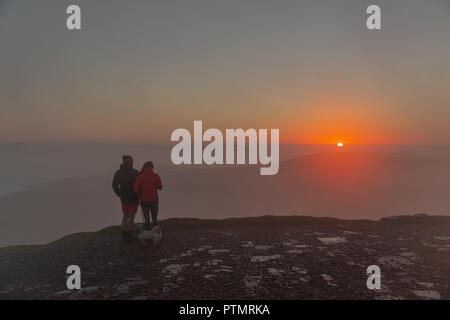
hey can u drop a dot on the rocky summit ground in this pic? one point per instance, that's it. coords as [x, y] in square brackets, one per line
[248, 258]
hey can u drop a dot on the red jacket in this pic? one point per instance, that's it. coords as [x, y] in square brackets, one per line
[147, 184]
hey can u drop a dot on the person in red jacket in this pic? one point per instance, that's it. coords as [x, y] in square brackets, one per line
[146, 186]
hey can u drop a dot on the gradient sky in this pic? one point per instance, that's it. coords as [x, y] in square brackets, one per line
[140, 69]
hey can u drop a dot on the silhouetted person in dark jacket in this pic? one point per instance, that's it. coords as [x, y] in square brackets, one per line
[122, 184]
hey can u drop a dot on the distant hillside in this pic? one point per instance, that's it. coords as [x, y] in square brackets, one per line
[247, 258]
[341, 185]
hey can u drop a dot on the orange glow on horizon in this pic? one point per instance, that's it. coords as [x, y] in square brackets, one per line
[339, 116]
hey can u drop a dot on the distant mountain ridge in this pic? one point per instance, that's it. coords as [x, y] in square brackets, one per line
[345, 185]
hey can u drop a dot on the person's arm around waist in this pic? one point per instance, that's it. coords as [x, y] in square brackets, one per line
[137, 186]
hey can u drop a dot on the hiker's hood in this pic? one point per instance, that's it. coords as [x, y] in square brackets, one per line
[148, 170]
[125, 166]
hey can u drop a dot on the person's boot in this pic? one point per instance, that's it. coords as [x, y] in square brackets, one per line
[124, 236]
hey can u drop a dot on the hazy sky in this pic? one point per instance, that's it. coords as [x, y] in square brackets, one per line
[140, 69]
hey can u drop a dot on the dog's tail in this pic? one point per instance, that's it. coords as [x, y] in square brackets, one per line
[157, 229]
[157, 239]
[157, 235]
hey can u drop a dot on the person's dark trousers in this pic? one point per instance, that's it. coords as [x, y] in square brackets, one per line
[147, 208]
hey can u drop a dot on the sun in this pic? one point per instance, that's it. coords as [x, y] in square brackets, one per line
[340, 145]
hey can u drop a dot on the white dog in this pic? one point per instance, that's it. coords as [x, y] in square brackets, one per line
[155, 234]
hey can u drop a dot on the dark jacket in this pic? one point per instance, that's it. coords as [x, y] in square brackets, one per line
[123, 183]
[147, 185]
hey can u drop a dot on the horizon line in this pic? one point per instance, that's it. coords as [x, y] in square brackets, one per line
[159, 143]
